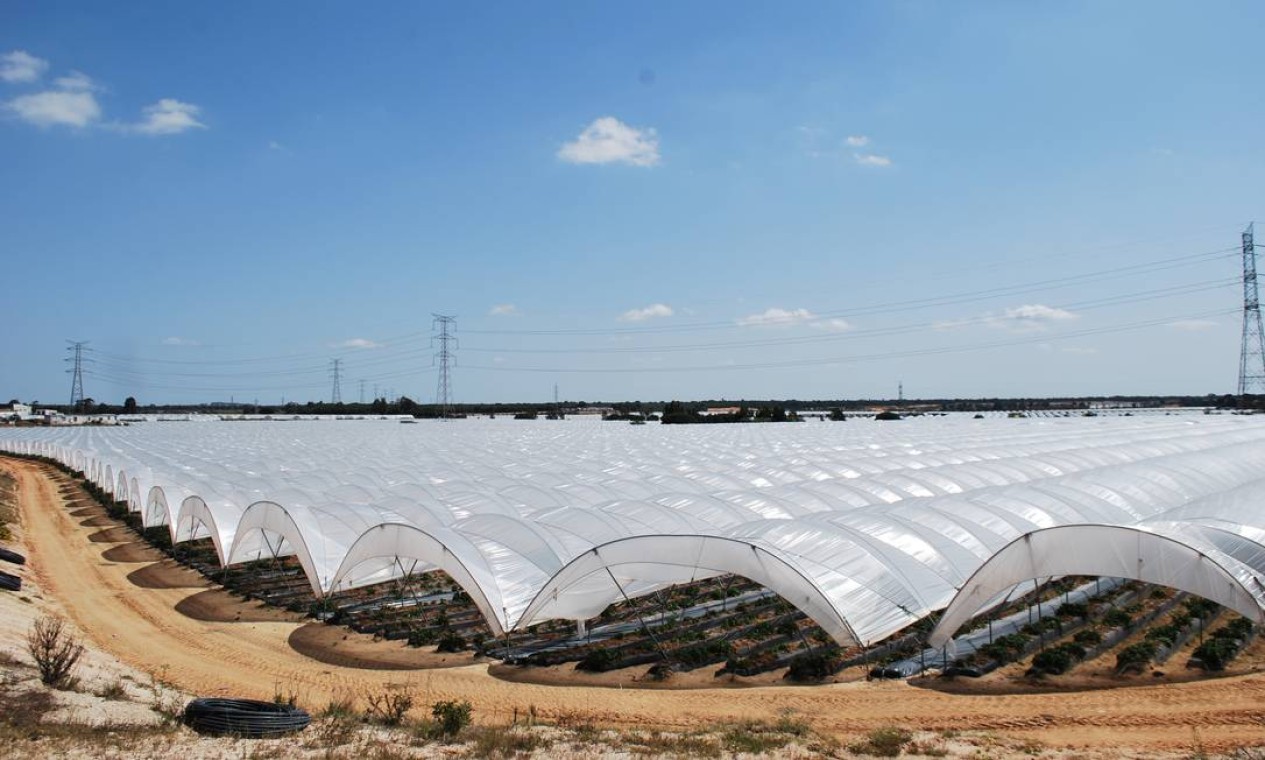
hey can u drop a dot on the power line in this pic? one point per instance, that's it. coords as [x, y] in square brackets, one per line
[446, 325]
[76, 381]
[1131, 270]
[336, 396]
[394, 359]
[854, 334]
[1252, 352]
[825, 361]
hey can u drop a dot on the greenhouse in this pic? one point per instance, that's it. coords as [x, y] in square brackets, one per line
[866, 527]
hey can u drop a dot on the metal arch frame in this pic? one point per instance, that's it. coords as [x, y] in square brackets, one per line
[289, 530]
[800, 595]
[431, 550]
[190, 513]
[978, 593]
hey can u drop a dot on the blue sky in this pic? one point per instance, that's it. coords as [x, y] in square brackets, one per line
[682, 200]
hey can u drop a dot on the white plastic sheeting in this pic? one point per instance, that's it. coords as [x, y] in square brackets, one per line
[1172, 557]
[865, 526]
[1212, 546]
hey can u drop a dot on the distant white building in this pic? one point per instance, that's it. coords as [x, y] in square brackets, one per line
[15, 411]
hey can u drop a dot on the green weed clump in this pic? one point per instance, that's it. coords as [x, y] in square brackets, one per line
[887, 741]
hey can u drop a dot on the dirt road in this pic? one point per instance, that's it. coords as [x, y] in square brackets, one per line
[142, 608]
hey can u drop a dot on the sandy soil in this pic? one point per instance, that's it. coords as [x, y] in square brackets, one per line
[135, 692]
[169, 621]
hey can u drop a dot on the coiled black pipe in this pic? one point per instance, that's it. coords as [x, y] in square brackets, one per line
[249, 718]
[10, 582]
[11, 556]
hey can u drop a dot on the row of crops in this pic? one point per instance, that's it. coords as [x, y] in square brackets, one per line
[1133, 629]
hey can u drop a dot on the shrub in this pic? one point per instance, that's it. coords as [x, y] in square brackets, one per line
[1163, 634]
[1057, 660]
[451, 716]
[883, 742]
[1201, 608]
[421, 637]
[55, 650]
[450, 642]
[389, 706]
[1215, 653]
[1087, 638]
[812, 666]
[1239, 628]
[114, 690]
[499, 741]
[1072, 610]
[1005, 647]
[1052, 661]
[598, 660]
[340, 706]
[1137, 655]
[1117, 619]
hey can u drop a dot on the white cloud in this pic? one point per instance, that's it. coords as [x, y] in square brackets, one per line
[168, 117]
[775, 317]
[21, 66]
[610, 141]
[650, 312]
[1081, 350]
[274, 145]
[75, 81]
[1192, 325]
[1027, 318]
[870, 159]
[504, 310]
[1035, 312]
[56, 108]
[72, 102]
[175, 341]
[357, 343]
[833, 325]
[857, 141]
[1030, 317]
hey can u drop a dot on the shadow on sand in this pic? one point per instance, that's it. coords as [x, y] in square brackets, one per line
[132, 551]
[161, 575]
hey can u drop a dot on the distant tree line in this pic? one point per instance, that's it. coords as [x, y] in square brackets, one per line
[673, 412]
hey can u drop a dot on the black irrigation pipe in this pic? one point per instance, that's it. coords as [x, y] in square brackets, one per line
[249, 718]
[10, 582]
[12, 556]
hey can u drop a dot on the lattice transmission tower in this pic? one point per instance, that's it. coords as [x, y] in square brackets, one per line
[77, 350]
[336, 395]
[445, 336]
[1252, 354]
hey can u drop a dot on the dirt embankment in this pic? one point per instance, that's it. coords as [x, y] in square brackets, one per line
[162, 618]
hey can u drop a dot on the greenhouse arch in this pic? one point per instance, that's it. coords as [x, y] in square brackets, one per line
[195, 520]
[269, 519]
[1117, 551]
[589, 583]
[396, 540]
